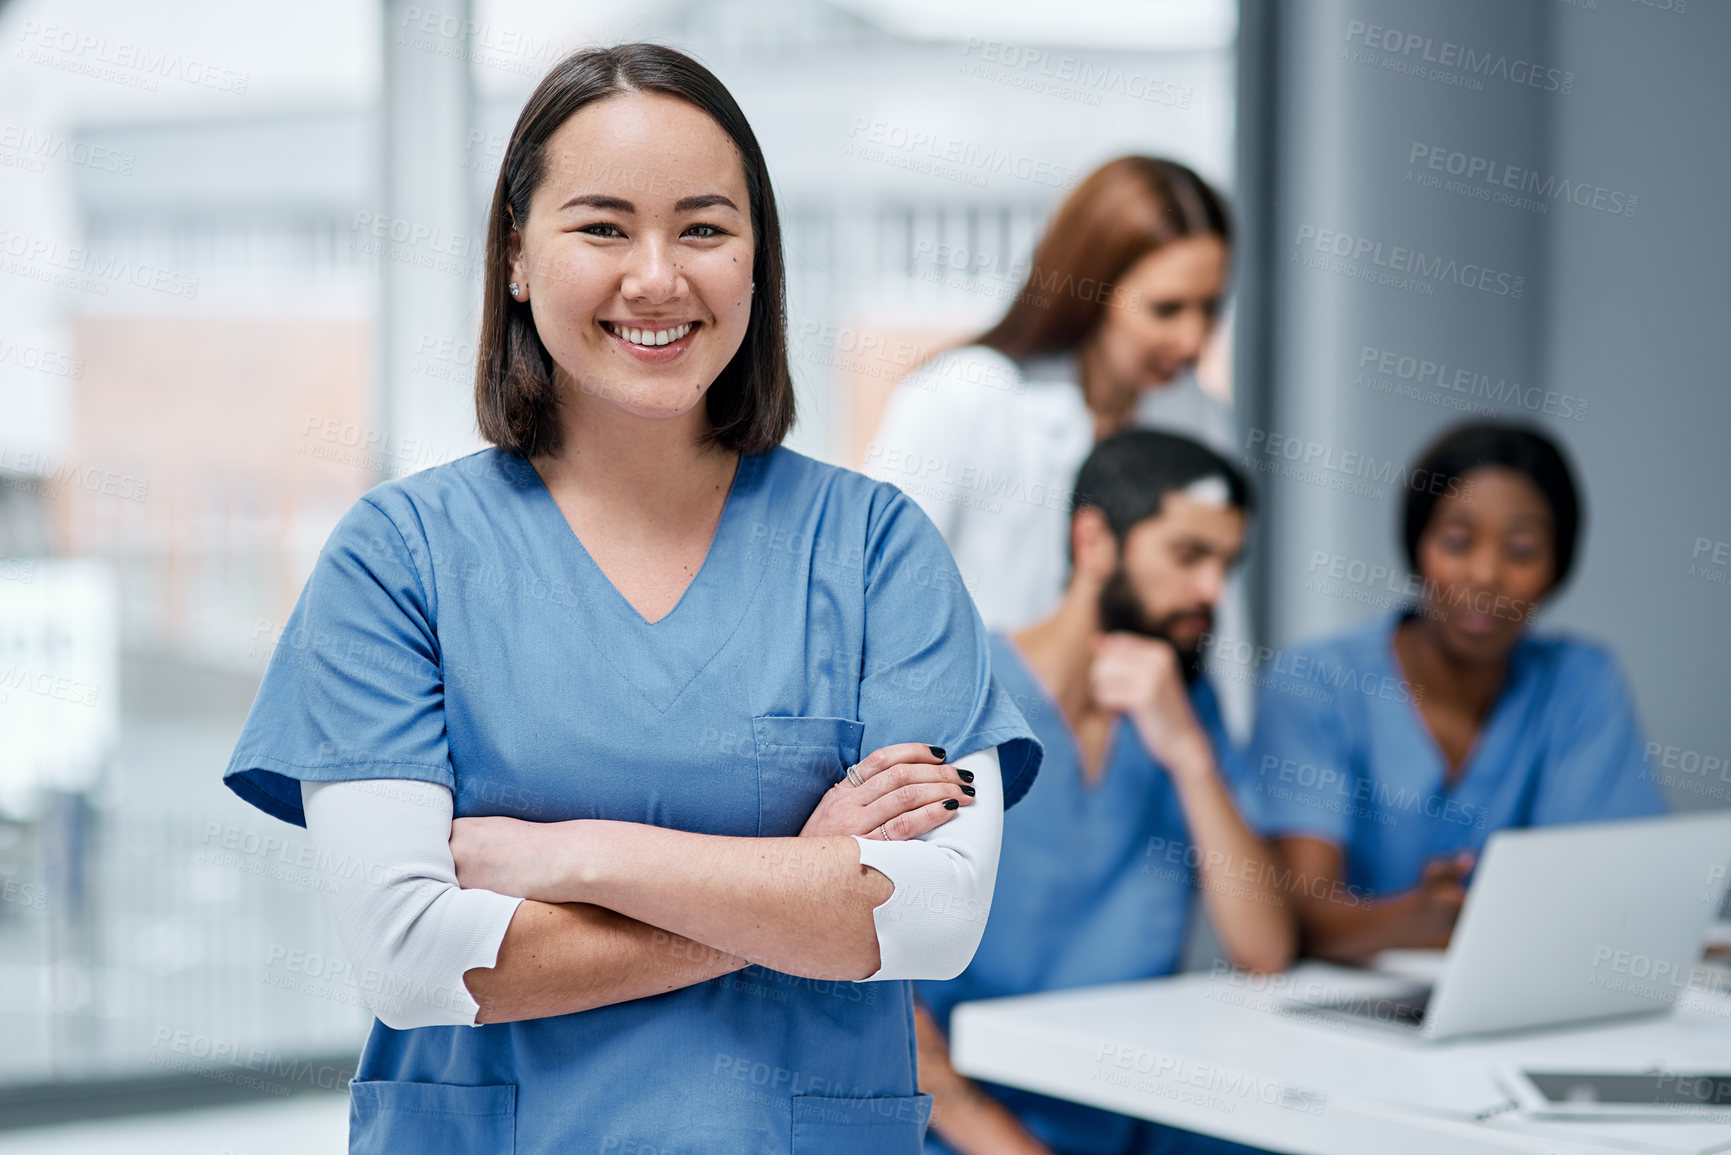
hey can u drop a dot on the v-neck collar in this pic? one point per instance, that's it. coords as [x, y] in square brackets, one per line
[1087, 789]
[663, 657]
[1469, 770]
[716, 540]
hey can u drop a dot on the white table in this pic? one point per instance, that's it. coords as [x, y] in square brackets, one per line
[1221, 1054]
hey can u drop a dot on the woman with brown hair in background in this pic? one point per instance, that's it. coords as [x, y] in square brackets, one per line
[1122, 295]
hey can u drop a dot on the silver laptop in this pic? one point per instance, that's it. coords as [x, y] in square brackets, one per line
[1565, 924]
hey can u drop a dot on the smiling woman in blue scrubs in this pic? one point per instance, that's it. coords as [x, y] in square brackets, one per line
[1387, 755]
[576, 723]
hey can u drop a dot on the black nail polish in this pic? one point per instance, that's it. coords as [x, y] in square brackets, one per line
[950, 804]
[965, 775]
[968, 790]
[937, 751]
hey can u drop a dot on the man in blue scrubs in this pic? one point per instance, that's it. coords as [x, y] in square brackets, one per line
[1133, 809]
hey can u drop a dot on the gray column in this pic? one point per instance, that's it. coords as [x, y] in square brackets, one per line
[430, 254]
[1372, 251]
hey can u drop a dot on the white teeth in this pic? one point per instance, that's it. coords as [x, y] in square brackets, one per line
[650, 338]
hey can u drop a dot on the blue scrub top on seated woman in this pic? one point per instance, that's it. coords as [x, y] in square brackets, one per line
[1096, 883]
[454, 630]
[1341, 753]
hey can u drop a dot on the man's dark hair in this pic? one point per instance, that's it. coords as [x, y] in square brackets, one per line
[1129, 474]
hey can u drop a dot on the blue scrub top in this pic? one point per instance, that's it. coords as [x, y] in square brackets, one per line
[1095, 883]
[454, 630]
[1341, 753]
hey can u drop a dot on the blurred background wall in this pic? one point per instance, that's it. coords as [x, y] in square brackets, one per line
[239, 259]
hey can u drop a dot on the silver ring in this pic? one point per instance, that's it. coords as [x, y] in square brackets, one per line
[853, 775]
[883, 834]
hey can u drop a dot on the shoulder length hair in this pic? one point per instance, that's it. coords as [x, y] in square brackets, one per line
[1124, 210]
[751, 404]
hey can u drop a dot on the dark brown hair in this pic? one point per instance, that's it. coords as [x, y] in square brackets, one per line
[516, 402]
[1123, 211]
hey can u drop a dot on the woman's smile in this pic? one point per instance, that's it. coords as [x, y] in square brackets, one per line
[652, 342]
[648, 333]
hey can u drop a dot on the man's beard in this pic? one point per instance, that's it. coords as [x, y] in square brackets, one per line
[1121, 611]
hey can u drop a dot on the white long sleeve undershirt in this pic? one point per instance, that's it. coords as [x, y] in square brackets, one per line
[931, 926]
[411, 932]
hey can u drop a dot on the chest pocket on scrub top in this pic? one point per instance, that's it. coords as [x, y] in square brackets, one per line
[798, 758]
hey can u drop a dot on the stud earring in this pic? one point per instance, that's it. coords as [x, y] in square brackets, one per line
[514, 290]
